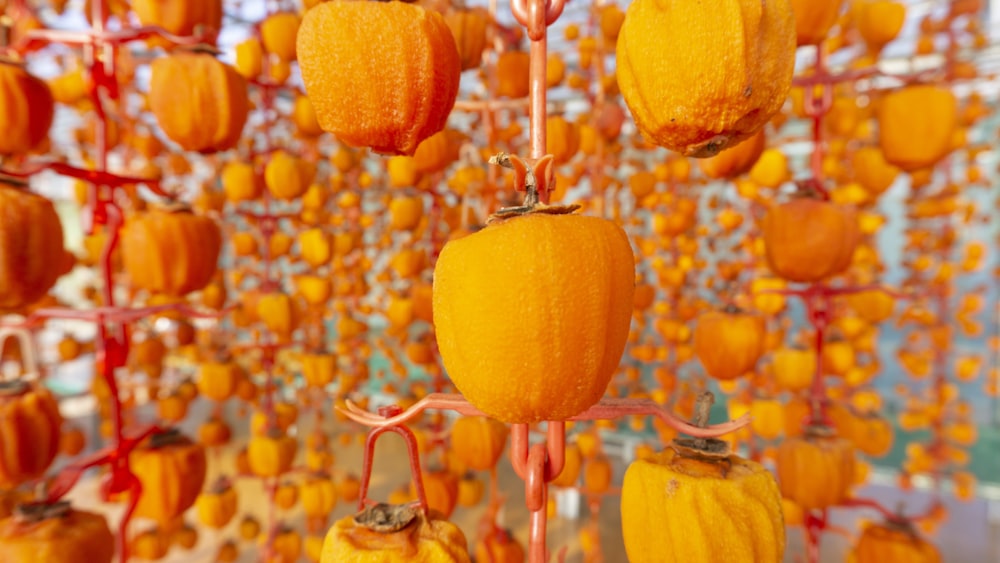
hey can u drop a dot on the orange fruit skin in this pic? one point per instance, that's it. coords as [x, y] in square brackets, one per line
[701, 76]
[807, 240]
[379, 74]
[532, 314]
[199, 102]
[917, 125]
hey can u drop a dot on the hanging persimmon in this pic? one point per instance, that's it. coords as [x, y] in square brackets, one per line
[479, 441]
[277, 33]
[894, 540]
[172, 470]
[562, 138]
[180, 17]
[699, 77]
[272, 454]
[249, 58]
[217, 506]
[393, 532]
[793, 368]
[500, 546]
[558, 327]
[200, 102]
[319, 496]
[287, 176]
[30, 424]
[217, 380]
[736, 160]
[916, 124]
[55, 533]
[170, 250]
[441, 490]
[26, 109]
[878, 22]
[872, 171]
[402, 86]
[729, 342]
[468, 26]
[808, 239]
[512, 69]
[31, 247]
[814, 18]
[732, 506]
[304, 117]
[437, 152]
[815, 471]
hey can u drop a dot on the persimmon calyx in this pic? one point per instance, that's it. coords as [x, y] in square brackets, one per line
[705, 448]
[532, 176]
[164, 438]
[386, 518]
[38, 511]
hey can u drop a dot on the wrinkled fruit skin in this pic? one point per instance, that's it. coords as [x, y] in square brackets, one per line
[57, 540]
[532, 314]
[707, 511]
[429, 539]
[200, 102]
[31, 247]
[702, 76]
[379, 74]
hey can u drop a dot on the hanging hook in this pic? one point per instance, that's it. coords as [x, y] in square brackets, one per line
[537, 16]
[411, 450]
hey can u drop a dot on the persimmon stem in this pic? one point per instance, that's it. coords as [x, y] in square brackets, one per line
[703, 408]
[531, 199]
[702, 414]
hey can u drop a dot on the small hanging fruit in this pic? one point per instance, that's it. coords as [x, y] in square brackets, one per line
[180, 17]
[816, 470]
[478, 441]
[278, 32]
[385, 532]
[894, 540]
[29, 432]
[170, 250]
[26, 111]
[809, 239]
[707, 504]
[319, 496]
[402, 85]
[879, 22]
[469, 26]
[814, 18]
[172, 470]
[31, 246]
[916, 125]
[729, 342]
[55, 533]
[318, 369]
[217, 506]
[500, 546]
[217, 380]
[271, 454]
[736, 160]
[699, 77]
[200, 102]
[538, 302]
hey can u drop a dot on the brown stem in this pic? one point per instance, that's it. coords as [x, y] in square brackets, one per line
[702, 414]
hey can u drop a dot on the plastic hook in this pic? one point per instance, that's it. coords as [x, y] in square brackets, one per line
[411, 450]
